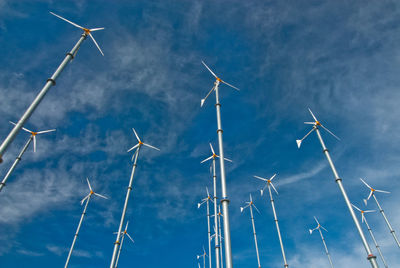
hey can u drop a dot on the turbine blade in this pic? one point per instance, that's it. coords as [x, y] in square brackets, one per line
[312, 115]
[137, 136]
[258, 177]
[133, 147]
[90, 187]
[76, 25]
[34, 144]
[356, 207]
[130, 237]
[370, 194]
[227, 159]
[151, 146]
[230, 85]
[323, 228]
[365, 201]
[208, 193]
[208, 94]
[316, 220]
[368, 211]
[366, 184]
[256, 209]
[251, 199]
[330, 132]
[362, 217]
[27, 130]
[381, 191]
[102, 196]
[206, 159]
[212, 149]
[126, 226]
[96, 29]
[272, 177]
[263, 189]
[273, 187]
[83, 200]
[309, 123]
[46, 131]
[97, 45]
[209, 69]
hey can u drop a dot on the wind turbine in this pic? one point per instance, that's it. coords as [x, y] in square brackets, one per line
[372, 193]
[207, 201]
[49, 83]
[250, 204]
[203, 256]
[224, 200]
[213, 157]
[19, 157]
[134, 159]
[125, 232]
[319, 226]
[269, 185]
[371, 257]
[87, 198]
[363, 219]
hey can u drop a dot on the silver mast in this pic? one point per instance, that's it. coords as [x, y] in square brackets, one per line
[207, 201]
[370, 256]
[125, 232]
[220, 236]
[216, 239]
[376, 243]
[323, 240]
[50, 82]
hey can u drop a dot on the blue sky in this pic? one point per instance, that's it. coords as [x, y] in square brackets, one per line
[340, 59]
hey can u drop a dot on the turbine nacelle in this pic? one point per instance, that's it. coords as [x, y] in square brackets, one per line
[372, 191]
[34, 134]
[91, 192]
[269, 183]
[139, 144]
[214, 155]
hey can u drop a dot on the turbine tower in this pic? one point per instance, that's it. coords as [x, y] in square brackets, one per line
[50, 82]
[250, 204]
[125, 232]
[372, 193]
[19, 157]
[87, 198]
[203, 256]
[128, 191]
[207, 201]
[323, 240]
[363, 219]
[269, 185]
[224, 199]
[216, 240]
[371, 257]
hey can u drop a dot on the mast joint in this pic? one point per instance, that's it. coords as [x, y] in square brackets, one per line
[52, 81]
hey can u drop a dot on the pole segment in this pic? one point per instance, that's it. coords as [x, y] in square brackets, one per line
[277, 228]
[220, 236]
[255, 236]
[117, 243]
[376, 243]
[326, 248]
[216, 238]
[209, 232]
[224, 200]
[3, 182]
[370, 256]
[50, 82]
[386, 220]
[77, 232]
[119, 250]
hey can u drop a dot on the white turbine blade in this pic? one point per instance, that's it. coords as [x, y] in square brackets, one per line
[151, 146]
[227, 159]
[366, 184]
[370, 194]
[126, 226]
[96, 29]
[365, 201]
[76, 25]
[209, 69]
[272, 177]
[323, 228]
[368, 211]
[208, 94]
[256, 209]
[381, 191]
[133, 147]
[34, 144]
[97, 45]
[362, 217]
[102, 196]
[273, 187]
[309, 123]
[230, 85]
[356, 207]
[312, 115]
[330, 132]
[257, 177]
[27, 130]
[46, 131]
[316, 217]
[137, 136]
[251, 198]
[263, 189]
[206, 159]
[90, 187]
[130, 237]
[83, 200]
[134, 154]
[208, 193]
[212, 149]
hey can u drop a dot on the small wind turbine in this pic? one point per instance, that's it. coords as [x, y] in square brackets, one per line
[319, 226]
[224, 200]
[269, 185]
[19, 157]
[213, 157]
[363, 219]
[372, 193]
[250, 204]
[125, 232]
[87, 198]
[371, 257]
[203, 256]
[50, 82]
[134, 159]
[207, 201]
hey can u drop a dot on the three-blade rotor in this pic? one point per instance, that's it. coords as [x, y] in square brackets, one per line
[214, 155]
[248, 204]
[86, 30]
[139, 144]
[269, 182]
[315, 125]
[33, 133]
[362, 212]
[216, 84]
[91, 192]
[318, 226]
[372, 191]
[204, 200]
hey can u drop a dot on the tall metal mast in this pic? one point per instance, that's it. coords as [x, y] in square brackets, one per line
[323, 240]
[207, 201]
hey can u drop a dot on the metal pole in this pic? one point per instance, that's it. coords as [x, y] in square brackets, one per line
[224, 200]
[277, 228]
[255, 236]
[117, 243]
[387, 221]
[216, 238]
[120, 248]
[77, 232]
[371, 257]
[326, 248]
[50, 82]
[376, 243]
[3, 182]
[220, 236]
[209, 232]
